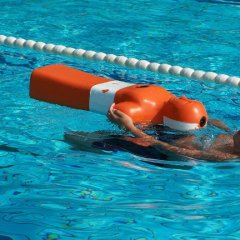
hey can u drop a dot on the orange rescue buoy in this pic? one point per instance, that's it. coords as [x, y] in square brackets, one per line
[146, 103]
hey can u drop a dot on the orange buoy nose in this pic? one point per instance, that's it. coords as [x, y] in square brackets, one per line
[185, 114]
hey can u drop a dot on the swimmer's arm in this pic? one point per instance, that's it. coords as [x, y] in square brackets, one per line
[172, 149]
[169, 149]
[219, 124]
[192, 153]
[125, 121]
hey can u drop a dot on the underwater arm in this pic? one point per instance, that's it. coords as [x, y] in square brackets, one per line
[219, 124]
[175, 150]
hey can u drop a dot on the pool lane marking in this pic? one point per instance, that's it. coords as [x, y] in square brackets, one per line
[121, 60]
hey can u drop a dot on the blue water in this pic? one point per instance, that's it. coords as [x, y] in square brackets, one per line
[50, 191]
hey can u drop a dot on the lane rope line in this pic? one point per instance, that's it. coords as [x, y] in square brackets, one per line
[120, 60]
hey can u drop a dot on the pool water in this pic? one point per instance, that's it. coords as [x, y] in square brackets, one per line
[51, 191]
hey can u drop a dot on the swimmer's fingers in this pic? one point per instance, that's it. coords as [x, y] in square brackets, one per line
[118, 117]
[115, 116]
[112, 107]
[114, 113]
[110, 112]
[117, 113]
[112, 116]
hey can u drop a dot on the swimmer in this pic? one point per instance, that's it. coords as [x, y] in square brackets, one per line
[165, 147]
[224, 147]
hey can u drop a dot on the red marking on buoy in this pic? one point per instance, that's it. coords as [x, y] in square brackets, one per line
[105, 90]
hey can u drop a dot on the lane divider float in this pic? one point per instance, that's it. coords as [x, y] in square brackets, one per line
[121, 60]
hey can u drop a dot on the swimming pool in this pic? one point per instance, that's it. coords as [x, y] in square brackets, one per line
[49, 190]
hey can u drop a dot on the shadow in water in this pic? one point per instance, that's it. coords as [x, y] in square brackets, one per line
[105, 143]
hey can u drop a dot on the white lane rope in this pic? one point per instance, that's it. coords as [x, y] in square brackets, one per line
[121, 60]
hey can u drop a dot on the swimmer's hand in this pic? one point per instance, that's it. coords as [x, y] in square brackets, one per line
[124, 121]
[120, 118]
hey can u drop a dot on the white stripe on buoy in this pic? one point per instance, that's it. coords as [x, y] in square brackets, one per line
[102, 95]
[181, 126]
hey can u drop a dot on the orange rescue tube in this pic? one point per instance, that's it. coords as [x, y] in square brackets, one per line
[146, 103]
